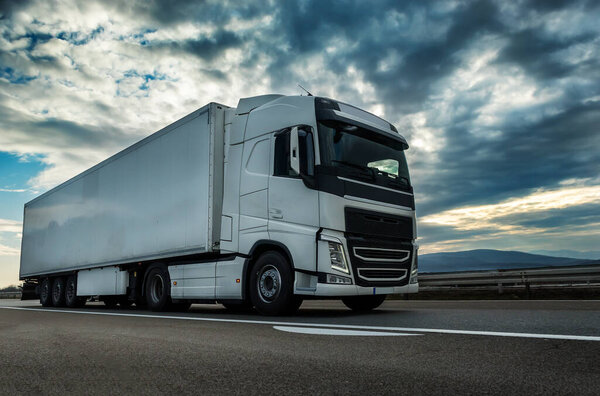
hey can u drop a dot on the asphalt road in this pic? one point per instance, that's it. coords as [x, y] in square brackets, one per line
[405, 347]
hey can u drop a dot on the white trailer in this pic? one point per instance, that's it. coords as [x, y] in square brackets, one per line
[278, 200]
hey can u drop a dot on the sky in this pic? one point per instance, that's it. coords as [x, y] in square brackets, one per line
[499, 101]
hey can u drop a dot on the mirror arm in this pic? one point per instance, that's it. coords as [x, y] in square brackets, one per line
[294, 150]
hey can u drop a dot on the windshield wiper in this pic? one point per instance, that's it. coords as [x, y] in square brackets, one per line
[394, 178]
[356, 166]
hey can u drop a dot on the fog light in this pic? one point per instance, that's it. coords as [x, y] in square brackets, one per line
[337, 257]
[338, 280]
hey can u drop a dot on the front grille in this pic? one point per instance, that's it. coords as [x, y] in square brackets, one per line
[379, 254]
[382, 274]
[379, 262]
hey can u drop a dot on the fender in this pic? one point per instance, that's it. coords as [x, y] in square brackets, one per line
[251, 257]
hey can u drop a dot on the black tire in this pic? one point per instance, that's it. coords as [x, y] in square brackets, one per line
[272, 285]
[58, 292]
[110, 301]
[46, 292]
[244, 307]
[364, 303]
[71, 298]
[157, 288]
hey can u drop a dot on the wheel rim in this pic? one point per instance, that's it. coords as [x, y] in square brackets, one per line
[156, 288]
[45, 290]
[56, 291]
[269, 283]
[70, 292]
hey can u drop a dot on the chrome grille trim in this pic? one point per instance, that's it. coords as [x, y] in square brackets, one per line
[401, 272]
[379, 259]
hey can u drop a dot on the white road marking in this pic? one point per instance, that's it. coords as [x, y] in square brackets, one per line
[333, 326]
[338, 332]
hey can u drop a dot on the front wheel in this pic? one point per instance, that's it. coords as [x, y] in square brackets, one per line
[272, 285]
[363, 303]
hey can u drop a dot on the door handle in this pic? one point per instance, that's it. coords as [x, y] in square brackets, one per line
[275, 213]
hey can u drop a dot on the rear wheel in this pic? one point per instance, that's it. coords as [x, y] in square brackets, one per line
[272, 285]
[58, 292]
[46, 292]
[71, 298]
[157, 289]
[363, 303]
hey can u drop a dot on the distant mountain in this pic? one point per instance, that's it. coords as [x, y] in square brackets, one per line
[590, 255]
[487, 259]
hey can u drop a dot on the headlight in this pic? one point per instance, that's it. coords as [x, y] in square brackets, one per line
[337, 257]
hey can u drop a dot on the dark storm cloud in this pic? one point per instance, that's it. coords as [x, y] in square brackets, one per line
[7, 8]
[536, 53]
[62, 133]
[526, 156]
[556, 218]
[310, 26]
[206, 48]
[172, 12]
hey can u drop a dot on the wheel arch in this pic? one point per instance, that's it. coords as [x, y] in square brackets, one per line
[260, 247]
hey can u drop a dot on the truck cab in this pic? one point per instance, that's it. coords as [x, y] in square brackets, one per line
[322, 188]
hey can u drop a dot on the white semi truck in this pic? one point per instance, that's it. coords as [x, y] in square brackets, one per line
[281, 199]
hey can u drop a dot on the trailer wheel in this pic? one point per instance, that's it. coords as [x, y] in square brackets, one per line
[46, 293]
[58, 292]
[363, 303]
[157, 289]
[71, 298]
[272, 285]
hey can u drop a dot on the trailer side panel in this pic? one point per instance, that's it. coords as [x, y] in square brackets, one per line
[151, 200]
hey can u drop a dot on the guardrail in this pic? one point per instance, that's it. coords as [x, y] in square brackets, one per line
[10, 294]
[546, 277]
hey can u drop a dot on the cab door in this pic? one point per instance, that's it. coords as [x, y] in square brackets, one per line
[293, 208]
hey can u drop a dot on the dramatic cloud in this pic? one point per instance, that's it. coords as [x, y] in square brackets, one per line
[500, 101]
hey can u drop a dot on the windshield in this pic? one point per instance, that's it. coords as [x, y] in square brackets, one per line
[348, 146]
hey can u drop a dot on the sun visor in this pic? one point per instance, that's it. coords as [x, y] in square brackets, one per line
[338, 115]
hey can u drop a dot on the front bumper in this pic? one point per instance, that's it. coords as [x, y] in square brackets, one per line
[315, 284]
[329, 290]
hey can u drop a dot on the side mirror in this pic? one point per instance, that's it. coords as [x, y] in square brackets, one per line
[294, 150]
